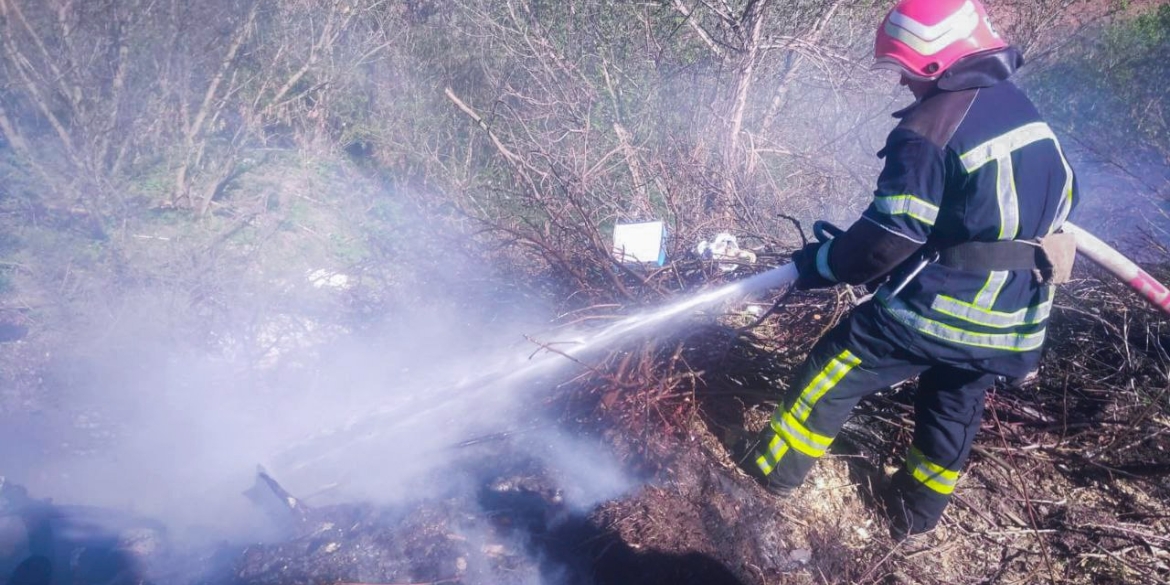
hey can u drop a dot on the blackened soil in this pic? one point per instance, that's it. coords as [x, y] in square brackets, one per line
[516, 528]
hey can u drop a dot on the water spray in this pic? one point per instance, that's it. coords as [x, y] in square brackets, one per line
[521, 371]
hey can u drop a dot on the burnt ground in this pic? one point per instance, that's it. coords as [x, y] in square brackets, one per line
[1069, 483]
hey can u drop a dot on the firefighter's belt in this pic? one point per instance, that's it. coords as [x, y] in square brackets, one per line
[990, 256]
[1049, 258]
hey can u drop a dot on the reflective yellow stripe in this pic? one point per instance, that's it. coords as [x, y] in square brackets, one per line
[824, 381]
[799, 437]
[776, 450]
[789, 428]
[920, 209]
[1006, 341]
[930, 474]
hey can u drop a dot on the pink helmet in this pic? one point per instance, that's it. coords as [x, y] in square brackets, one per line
[922, 38]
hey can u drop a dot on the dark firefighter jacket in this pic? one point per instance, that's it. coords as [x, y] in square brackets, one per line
[970, 161]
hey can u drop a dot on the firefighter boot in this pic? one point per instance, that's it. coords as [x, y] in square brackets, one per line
[911, 510]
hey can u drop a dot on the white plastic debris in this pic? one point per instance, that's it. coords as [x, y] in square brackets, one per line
[640, 243]
[322, 278]
[725, 248]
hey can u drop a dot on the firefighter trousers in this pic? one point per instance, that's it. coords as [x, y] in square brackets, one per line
[852, 361]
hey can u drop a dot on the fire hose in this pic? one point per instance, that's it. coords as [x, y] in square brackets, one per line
[1088, 245]
[1123, 268]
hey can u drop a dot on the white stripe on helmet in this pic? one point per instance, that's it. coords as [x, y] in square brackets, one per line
[928, 40]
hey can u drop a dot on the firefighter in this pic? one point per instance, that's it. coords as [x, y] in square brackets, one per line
[962, 234]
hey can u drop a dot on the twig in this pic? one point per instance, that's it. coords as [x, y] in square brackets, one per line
[508, 154]
[550, 348]
[775, 307]
[978, 512]
[1022, 486]
[864, 578]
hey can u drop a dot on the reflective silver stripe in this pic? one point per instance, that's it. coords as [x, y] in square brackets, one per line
[919, 209]
[1003, 145]
[1007, 199]
[1000, 149]
[990, 292]
[1006, 341]
[1033, 315]
[823, 262]
[980, 312]
[1066, 199]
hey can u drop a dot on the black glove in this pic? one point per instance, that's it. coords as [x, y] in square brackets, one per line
[805, 260]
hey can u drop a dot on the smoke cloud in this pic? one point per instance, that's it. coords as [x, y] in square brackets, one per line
[145, 423]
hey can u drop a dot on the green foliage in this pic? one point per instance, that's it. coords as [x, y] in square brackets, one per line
[1111, 88]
